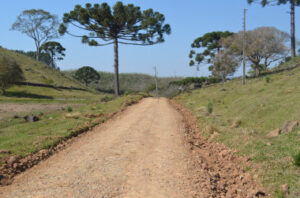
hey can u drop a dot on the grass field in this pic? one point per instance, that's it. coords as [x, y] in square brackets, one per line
[260, 107]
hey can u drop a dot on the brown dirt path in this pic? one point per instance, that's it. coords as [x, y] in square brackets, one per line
[140, 153]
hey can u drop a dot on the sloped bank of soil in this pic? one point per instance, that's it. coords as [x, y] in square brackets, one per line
[217, 170]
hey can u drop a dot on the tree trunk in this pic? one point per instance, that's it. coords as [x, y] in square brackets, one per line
[3, 92]
[223, 78]
[52, 62]
[293, 37]
[116, 65]
[37, 53]
[256, 71]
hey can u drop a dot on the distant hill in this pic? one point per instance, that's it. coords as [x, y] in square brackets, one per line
[128, 82]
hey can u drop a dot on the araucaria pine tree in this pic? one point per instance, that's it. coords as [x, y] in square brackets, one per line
[122, 24]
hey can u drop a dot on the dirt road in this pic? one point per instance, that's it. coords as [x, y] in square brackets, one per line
[140, 153]
[150, 150]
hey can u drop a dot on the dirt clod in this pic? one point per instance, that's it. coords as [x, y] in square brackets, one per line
[285, 189]
[12, 160]
[236, 123]
[274, 133]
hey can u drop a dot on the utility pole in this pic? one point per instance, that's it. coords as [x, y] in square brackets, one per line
[156, 86]
[244, 48]
[293, 37]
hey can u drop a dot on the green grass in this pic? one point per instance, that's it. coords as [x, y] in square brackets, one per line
[261, 107]
[22, 138]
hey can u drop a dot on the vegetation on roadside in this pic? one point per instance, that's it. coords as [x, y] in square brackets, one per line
[260, 107]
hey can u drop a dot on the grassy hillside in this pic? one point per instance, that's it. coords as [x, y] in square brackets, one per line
[262, 105]
[37, 72]
[128, 82]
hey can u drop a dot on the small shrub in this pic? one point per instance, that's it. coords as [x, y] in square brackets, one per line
[268, 79]
[279, 194]
[297, 159]
[210, 107]
[151, 88]
[107, 98]
[41, 113]
[236, 123]
[126, 93]
[69, 109]
[94, 108]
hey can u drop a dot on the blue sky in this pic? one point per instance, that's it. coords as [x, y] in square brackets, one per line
[188, 19]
